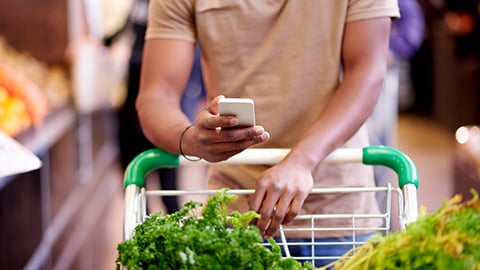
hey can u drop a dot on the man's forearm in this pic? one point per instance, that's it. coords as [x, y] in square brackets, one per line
[162, 122]
[341, 119]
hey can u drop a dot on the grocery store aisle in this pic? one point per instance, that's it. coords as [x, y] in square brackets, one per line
[113, 227]
[431, 148]
[427, 144]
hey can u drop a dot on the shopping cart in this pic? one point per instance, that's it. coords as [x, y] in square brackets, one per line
[135, 210]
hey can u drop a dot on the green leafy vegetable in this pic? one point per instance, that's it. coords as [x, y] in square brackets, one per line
[215, 240]
[449, 238]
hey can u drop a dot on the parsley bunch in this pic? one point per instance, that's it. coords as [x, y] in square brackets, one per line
[448, 238]
[214, 240]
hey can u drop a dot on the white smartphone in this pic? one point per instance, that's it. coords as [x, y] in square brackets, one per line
[242, 108]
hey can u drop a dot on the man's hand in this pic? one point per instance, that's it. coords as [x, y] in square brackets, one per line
[214, 138]
[279, 195]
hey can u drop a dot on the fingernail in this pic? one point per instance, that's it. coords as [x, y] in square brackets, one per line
[233, 122]
[259, 130]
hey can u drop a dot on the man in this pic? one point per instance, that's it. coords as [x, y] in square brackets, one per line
[314, 69]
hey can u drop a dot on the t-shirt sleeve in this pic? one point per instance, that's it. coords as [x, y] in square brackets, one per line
[367, 9]
[169, 19]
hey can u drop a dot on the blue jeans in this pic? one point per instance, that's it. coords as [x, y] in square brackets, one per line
[335, 250]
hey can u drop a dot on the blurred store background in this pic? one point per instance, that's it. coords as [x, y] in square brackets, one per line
[63, 74]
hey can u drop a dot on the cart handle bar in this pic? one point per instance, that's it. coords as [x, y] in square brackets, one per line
[392, 158]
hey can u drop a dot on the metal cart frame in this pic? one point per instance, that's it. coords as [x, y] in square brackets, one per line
[135, 194]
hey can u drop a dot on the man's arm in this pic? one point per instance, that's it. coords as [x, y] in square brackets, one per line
[166, 68]
[364, 55]
[285, 186]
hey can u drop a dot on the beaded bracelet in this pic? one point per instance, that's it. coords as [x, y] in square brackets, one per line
[180, 145]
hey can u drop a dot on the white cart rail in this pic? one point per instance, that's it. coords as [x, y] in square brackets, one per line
[135, 194]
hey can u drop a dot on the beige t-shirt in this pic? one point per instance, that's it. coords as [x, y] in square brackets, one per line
[286, 55]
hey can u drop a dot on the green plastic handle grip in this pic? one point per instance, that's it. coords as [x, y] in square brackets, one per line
[146, 162]
[395, 160]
